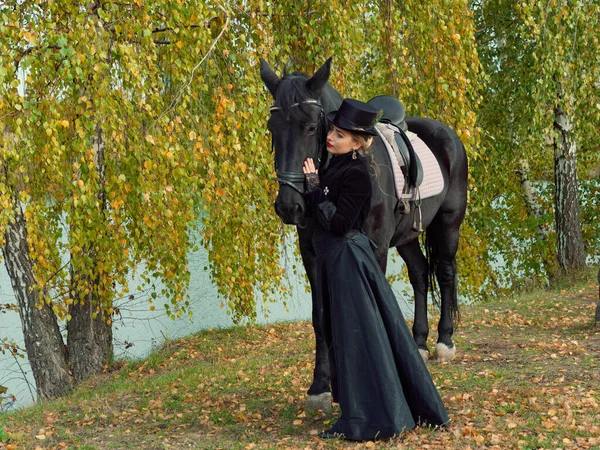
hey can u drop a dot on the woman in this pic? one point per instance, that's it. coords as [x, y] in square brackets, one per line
[377, 374]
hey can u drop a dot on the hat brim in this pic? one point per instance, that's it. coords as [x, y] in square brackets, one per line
[344, 124]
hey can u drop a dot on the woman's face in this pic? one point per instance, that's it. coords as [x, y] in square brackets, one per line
[340, 141]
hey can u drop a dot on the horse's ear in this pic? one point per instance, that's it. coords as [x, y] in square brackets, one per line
[319, 79]
[269, 77]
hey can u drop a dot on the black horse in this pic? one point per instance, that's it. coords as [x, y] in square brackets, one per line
[299, 129]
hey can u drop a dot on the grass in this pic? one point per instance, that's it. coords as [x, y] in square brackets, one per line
[527, 375]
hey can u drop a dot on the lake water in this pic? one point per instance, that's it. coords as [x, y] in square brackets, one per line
[140, 330]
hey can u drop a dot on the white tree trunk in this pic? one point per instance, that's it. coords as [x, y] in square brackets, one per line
[570, 250]
[43, 341]
[533, 206]
[597, 317]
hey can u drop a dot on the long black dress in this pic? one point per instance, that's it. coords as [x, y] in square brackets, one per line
[377, 373]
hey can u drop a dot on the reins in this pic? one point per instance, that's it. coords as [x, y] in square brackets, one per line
[295, 180]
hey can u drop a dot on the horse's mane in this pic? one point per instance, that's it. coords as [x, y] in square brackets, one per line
[292, 90]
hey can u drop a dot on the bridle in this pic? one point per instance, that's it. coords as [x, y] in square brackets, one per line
[295, 180]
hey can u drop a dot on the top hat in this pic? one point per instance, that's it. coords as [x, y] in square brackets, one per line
[356, 116]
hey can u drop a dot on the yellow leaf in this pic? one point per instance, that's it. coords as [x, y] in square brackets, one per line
[147, 164]
[220, 192]
[179, 44]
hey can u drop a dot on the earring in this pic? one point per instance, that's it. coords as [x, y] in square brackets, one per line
[354, 153]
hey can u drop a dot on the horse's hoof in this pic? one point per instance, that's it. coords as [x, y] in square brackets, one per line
[319, 402]
[443, 353]
[424, 354]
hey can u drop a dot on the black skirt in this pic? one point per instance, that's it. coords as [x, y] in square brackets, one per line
[377, 373]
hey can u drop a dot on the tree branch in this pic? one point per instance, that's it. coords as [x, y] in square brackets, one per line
[191, 77]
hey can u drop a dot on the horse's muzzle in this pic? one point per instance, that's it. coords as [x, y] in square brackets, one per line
[290, 214]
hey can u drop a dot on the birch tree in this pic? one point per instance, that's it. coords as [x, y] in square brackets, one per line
[98, 167]
[541, 114]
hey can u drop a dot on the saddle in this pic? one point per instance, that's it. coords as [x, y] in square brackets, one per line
[393, 110]
[394, 114]
[416, 171]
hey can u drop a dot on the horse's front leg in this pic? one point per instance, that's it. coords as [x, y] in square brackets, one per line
[418, 271]
[319, 393]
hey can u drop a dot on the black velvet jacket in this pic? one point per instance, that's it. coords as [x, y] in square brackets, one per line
[343, 200]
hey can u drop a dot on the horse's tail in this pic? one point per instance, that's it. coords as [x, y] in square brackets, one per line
[432, 262]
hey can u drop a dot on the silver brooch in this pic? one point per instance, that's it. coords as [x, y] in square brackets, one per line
[326, 190]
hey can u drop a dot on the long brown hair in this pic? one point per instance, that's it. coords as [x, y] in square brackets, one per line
[365, 142]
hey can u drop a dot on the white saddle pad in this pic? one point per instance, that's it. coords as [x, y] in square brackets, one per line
[433, 181]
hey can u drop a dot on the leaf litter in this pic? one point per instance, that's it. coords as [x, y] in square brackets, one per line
[527, 375]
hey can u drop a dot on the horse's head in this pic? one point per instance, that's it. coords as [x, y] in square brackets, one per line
[299, 127]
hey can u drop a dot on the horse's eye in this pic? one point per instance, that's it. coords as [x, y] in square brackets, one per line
[311, 129]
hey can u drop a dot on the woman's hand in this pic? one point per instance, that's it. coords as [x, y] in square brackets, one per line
[311, 175]
[309, 166]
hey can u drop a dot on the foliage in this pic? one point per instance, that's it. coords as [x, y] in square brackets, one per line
[386, 51]
[172, 92]
[526, 377]
[97, 144]
[530, 52]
